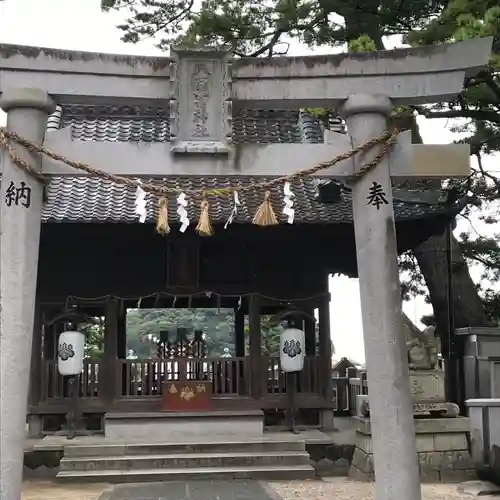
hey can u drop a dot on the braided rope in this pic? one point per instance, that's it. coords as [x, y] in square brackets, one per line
[387, 140]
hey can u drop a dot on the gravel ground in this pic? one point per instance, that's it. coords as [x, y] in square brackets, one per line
[48, 490]
[338, 488]
[343, 489]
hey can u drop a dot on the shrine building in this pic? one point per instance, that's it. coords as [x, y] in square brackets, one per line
[96, 256]
[97, 259]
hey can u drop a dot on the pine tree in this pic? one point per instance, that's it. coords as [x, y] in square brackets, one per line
[265, 29]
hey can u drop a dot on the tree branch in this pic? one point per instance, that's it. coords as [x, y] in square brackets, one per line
[490, 116]
[489, 80]
[483, 171]
[482, 260]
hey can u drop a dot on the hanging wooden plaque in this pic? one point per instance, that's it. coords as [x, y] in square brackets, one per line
[192, 395]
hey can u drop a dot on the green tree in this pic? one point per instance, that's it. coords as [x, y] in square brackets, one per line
[94, 339]
[264, 28]
[479, 108]
[144, 325]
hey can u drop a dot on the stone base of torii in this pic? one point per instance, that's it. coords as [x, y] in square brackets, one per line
[365, 88]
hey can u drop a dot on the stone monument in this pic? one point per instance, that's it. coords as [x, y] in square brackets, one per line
[200, 89]
[441, 435]
[426, 377]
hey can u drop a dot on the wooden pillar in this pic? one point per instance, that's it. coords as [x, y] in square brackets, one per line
[325, 348]
[256, 379]
[109, 382]
[239, 333]
[310, 334]
[122, 331]
[122, 351]
[325, 360]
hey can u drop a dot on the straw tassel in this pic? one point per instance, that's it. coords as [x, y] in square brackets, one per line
[204, 227]
[162, 226]
[265, 215]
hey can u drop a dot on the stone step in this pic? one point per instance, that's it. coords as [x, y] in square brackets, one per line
[115, 449]
[186, 460]
[263, 472]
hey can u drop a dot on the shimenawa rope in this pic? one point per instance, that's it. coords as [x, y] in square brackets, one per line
[386, 140]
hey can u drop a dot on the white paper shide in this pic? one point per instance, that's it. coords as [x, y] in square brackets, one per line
[70, 353]
[292, 350]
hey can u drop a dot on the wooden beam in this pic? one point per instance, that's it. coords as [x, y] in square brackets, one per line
[156, 160]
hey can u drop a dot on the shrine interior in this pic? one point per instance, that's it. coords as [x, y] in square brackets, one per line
[252, 274]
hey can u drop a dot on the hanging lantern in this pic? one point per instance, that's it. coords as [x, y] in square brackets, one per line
[70, 353]
[292, 350]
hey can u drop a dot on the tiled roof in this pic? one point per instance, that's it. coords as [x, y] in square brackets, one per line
[85, 199]
[112, 123]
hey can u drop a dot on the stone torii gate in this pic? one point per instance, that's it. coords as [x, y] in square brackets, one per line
[201, 88]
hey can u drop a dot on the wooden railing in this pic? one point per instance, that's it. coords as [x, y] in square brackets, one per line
[55, 386]
[308, 379]
[229, 376]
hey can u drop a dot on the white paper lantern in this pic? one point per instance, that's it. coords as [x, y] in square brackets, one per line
[292, 350]
[70, 353]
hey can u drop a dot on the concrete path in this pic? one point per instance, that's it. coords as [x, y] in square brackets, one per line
[192, 490]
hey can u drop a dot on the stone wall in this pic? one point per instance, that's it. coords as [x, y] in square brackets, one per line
[330, 459]
[442, 448]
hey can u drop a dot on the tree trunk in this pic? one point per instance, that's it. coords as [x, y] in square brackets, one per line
[359, 20]
[467, 305]
[431, 257]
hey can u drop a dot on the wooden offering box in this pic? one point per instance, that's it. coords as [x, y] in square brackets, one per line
[192, 395]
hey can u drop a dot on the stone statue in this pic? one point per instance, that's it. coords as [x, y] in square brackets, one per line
[422, 346]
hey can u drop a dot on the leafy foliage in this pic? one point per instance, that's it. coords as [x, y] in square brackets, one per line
[265, 28]
[478, 109]
[94, 336]
[144, 327]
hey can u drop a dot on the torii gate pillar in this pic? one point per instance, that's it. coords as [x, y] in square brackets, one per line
[20, 210]
[391, 406]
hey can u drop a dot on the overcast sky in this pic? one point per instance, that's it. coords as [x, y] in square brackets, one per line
[80, 25]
